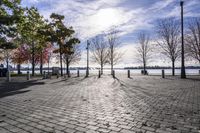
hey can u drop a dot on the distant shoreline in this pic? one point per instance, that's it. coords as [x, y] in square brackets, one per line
[95, 68]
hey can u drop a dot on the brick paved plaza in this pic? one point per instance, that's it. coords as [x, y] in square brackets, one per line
[142, 104]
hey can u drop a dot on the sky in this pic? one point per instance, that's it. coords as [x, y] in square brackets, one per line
[92, 17]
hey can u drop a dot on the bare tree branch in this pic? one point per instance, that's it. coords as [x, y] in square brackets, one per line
[193, 39]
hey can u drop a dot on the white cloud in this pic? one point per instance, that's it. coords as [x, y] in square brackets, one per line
[91, 17]
[160, 5]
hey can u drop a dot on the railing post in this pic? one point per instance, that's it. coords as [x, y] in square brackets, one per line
[28, 75]
[163, 73]
[8, 76]
[129, 74]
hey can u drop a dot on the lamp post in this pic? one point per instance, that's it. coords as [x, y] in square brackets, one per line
[183, 75]
[87, 48]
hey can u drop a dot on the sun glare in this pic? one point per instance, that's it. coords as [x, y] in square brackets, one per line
[106, 18]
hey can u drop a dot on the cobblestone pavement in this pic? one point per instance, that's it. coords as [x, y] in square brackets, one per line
[142, 104]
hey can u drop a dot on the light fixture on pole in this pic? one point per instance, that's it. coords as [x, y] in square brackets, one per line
[183, 75]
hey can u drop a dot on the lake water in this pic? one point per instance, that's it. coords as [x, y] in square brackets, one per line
[133, 71]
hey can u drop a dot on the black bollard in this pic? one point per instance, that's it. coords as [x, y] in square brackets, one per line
[28, 75]
[78, 74]
[69, 74]
[113, 73]
[8, 76]
[163, 73]
[99, 74]
[86, 74]
[44, 75]
[57, 75]
[129, 74]
[49, 75]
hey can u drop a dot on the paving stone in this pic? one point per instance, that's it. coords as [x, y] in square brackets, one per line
[70, 126]
[92, 127]
[125, 126]
[2, 130]
[103, 130]
[36, 131]
[148, 128]
[161, 131]
[91, 131]
[113, 128]
[69, 130]
[81, 129]
[126, 131]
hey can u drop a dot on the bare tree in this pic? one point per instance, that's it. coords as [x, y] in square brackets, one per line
[114, 55]
[99, 51]
[74, 57]
[169, 34]
[144, 49]
[193, 39]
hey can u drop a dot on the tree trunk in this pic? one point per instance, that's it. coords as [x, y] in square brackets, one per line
[68, 71]
[173, 68]
[111, 61]
[33, 60]
[144, 67]
[18, 69]
[111, 68]
[41, 64]
[61, 68]
[101, 68]
[67, 67]
[7, 61]
[48, 65]
[41, 68]
[7, 64]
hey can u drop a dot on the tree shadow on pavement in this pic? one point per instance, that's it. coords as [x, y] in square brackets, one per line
[13, 88]
[193, 79]
[73, 80]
